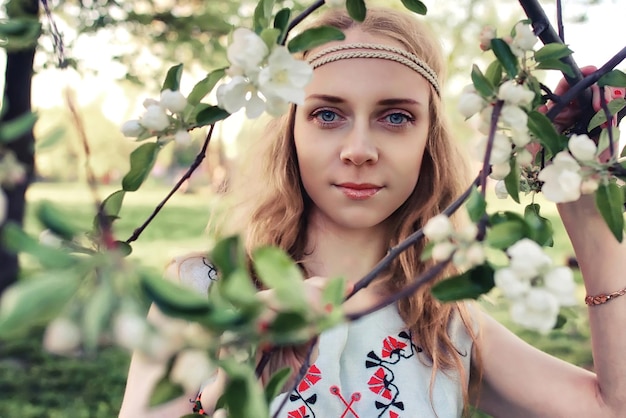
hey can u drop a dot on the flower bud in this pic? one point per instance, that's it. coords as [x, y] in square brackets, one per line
[515, 94]
[468, 233]
[486, 35]
[182, 137]
[500, 171]
[438, 228]
[510, 284]
[174, 101]
[524, 158]
[589, 186]
[501, 192]
[150, 102]
[132, 128]
[560, 282]
[62, 336]
[443, 250]
[470, 102]
[582, 148]
[155, 118]
[524, 38]
[475, 254]
[514, 117]
[191, 368]
[129, 330]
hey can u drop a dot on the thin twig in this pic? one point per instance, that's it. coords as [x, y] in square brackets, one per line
[298, 19]
[196, 163]
[57, 38]
[495, 115]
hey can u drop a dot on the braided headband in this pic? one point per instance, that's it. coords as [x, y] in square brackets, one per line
[363, 50]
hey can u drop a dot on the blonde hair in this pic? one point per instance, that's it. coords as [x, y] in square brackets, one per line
[280, 214]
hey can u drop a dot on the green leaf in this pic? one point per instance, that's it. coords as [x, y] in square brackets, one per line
[173, 299]
[335, 291]
[494, 73]
[469, 285]
[506, 57]
[540, 228]
[554, 64]
[57, 221]
[270, 37]
[276, 383]
[49, 139]
[512, 180]
[16, 128]
[238, 289]
[543, 129]
[112, 205]
[415, 6]
[552, 51]
[35, 300]
[481, 83]
[211, 115]
[286, 322]
[243, 395]
[275, 268]
[609, 200]
[356, 9]
[599, 118]
[476, 205]
[314, 37]
[503, 235]
[172, 79]
[228, 255]
[142, 160]
[281, 22]
[123, 248]
[204, 86]
[97, 314]
[262, 13]
[15, 239]
[164, 391]
[614, 78]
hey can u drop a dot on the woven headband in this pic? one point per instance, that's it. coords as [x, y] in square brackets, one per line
[362, 50]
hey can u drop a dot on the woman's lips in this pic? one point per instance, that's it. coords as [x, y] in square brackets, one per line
[358, 191]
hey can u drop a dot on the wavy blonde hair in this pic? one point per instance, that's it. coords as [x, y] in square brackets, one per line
[278, 216]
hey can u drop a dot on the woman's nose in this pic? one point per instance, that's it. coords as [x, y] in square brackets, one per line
[359, 147]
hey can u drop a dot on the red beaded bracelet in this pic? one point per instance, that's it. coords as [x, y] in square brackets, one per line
[603, 298]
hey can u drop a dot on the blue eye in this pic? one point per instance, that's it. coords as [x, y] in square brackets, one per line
[327, 116]
[397, 118]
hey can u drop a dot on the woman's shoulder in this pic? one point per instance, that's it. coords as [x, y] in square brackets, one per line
[193, 270]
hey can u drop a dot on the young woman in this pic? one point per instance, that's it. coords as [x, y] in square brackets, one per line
[364, 162]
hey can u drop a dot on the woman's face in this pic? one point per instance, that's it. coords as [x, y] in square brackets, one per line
[360, 137]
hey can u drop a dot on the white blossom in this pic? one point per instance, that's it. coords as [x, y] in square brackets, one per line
[538, 310]
[510, 284]
[247, 51]
[468, 232]
[443, 250]
[562, 179]
[237, 93]
[500, 171]
[191, 369]
[132, 128]
[486, 35]
[129, 330]
[515, 94]
[4, 206]
[582, 147]
[62, 336]
[475, 254]
[485, 120]
[150, 102]
[524, 38]
[470, 102]
[520, 137]
[500, 189]
[560, 282]
[500, 150]
[155, 118]
[438, 228]
[589, 186]
[284, 78]
[174, 101]
[514, 117]
[182, 137]
[528, 259]
[523, 157]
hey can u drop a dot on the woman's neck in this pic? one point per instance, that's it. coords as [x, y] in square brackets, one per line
[349, 253]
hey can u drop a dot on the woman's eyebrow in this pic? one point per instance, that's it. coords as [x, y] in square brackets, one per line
[399, 101]
[326, 98]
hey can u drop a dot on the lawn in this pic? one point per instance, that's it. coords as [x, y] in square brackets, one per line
[35, 384]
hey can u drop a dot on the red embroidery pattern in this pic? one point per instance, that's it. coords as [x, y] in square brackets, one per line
[381, 382]
[355, 397]
[312, 376]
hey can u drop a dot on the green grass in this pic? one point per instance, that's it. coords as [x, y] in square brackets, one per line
[36, 384]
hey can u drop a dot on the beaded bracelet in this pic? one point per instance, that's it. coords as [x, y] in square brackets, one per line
[197, 405]
[603, 298]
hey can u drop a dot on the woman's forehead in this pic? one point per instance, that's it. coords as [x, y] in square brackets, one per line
[357, 35]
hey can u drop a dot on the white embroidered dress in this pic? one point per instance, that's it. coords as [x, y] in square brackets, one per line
[365, 369]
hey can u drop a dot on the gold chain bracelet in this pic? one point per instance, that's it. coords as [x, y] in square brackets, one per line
[603, 298]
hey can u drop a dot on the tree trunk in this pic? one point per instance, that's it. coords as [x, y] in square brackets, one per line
[17, 101]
